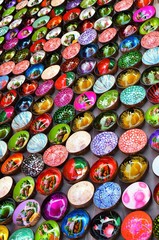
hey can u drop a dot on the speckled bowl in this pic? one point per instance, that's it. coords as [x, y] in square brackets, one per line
[64, 114]
[130, 59]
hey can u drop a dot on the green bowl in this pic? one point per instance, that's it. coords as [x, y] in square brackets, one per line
[105, 121]
[59, 133]
[108, 100]
[5, 130]
[64, 114]
[18, 141]
[151, 116]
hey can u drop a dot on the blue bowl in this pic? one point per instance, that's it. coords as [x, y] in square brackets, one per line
[24, 104]
[130, 43]
[89, 50]
[34, 72]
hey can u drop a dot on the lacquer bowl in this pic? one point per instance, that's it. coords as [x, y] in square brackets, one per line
[3, 150]
[153, 94]
[12, 164]
[53, 59]
[150, 40]
[87, 13]
[38, 57]
[21, 121]
[149, 25]
[71, 51]
[44, 88]
[108, 100]
[59, 133]
[87, 37]
[70, 65]
[3, 82]
[85, 101]
[7, 114]
[83, 83]
[155, 166]
[40, 124]
[103, 23]
[6, 187]
[104, 84]
[128, 30]
[50, 72]
[104, 11]
[64, 114]
[108, 50]
[26, 232]
[155, 226]
[28, 88]
[16, 82]
[5, 131]
[72, 4]
[105, 121]
[82, 121]
[65, 80]
[71, 15]
[122, 18]
[87, 3]
[133, 168]
[18, 141]
[128, 77]
[64, 97]
[151, 57]
[37, 143]
[154, 140]
[106, 66]
[42, 105]
[156, 193]
[150, 76]
[49, 181]
[131, 118]
[4, 231]
[86, 24]
[130, 59]
[7, 207]
[89, 50]
[52, 225]
[151, 116]
[123, 6]
[144, 13]
[86, 66]
[9, 98]
[34, 72]
[71, 26]
[130, 43]
[107, 35]
[69, 38]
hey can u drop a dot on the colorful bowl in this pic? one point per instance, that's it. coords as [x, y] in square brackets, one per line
[38, 57]
[64, 97]
[155, 226]
[83, 83]
[54, 230]
[70, 65]
[103, 23]
[87, 37]
[130, 59]
[65, 80]
[7, 207]
[142, 3]
[69, 38]
[123, 6]
[72, 4]
[149, 25]
[151, 116]
[9, 98]
[104, 83]
[75, 169]
[87, 3]
[39, 34]
[128, 77]
[152, 94]
[130, 43]
[40, 124]
[107, 196]
[42, 105]
[34, 72]
[59, 133]
[24, 232]
[104, 143]
[55, 32]
[64, 114]
[6, 187]
[5, 131]
[132, 141]
[48, 181]
[37, 143]
[105, 121]
[87, 13]
[144, 13]
[12, 164]
[3, 151]
[85, 101]
[7, 55]
[150, 57]
[150, 76]
[71, 26]
[16, 82]
[78, 142]
[108, 50]
[54, 207]
[82, 121]
[133, 168]
[22, 54]
[44, 88]
[32, 165]
[108, 100]
[52, 45]
[3, 82]
[103, 170]
[150, 40]
[89, 50]
[71, 15]
[53, 59]
[50, 72]
[21, 121]
[71, 51]
[104, 11]
[131, 118]
[154, 140]
[37, 45]
[155, 166]
[24, 104]
[128, 30]
[122, 18]
[40, 22]
[106, 66]
[85, 25]
[18, 141]
[86, 66]
[4, 232]
[156, 193]
[133, 96]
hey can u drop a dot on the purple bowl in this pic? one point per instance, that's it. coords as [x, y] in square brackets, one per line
[54, 207]
[87, 36]
[11, 34]
[154, 140]
[73, 4]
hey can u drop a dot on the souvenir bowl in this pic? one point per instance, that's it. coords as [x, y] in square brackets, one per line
[24, 104]
[128, 77]
[18, 141]
[23, 44]
[23, 189]
[130, 43]
[154, 140]
[105, 121]
[6, 68]
[142, 3]
[64, 114]
[28, 88]
[12, 164]
[7, 114]
[5, 131]
[25, 32]
[132, 195]
[21, 121]
[39, 34]
[77, 218]
[29, 208]
[87, 37]
[144, 13]
[150, 40]
[75, 169]
[52, 45]
[153, 93]
[133, 96]
[72, 4]
[54, 207]
[106, 66]
[82, 121]
[80, 194]
[3, 151]
[85, 25]
[71, 15]
[123, 6]
[69, 38]
[122, 18]
[26, 232]
[128, 30]
[130, 59]
[65, 80]
[7, 207]
[32, 165]
[15, 24]
[150, 76]
[3, 82]
[108, 50]
[11, 34]
[45, 10]
[83, 83]
[59, 133]
[89, 50]
[41, 22]
[104, 11]
[37, 45]
[54, 33]
[55, 155]
[149, 25]
[9, 98]
[133, 168]
[38, 57]
[34, 72]
[9, 45]
[104, 83]
[87, 3]
[8, 55]
[41, 124]
[4, 30]
[85, 101]
[71, 26]
[6, 21]
[56, 3]
[155, 166]
[37, 143]
[103, 170]
[44, 88]
[78, 142]
[105, 225]
[70, 65]
[86, 66]
[71, 51]
[132, 141]
[150, 57]
[87, 13]
[131, 118]
[104, 2]
[53, 59]
[49, 181]
[32, 11]
[107, 195]
[156, 193]
[4, 231]
[16, 82]
[155, 226]
[42, 105]
[21, 55]
[104, 143]
[103, 23]
[151, 116]
[108, 100]
[64, 97]
[54, 230]
[7, 185]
